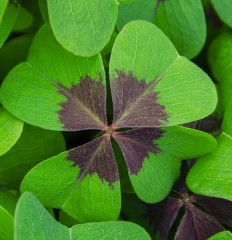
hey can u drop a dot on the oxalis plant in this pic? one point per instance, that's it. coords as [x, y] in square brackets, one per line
[107, 70]
[56, 90]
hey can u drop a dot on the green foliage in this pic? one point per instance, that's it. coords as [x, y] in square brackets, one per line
[83, 27]
[10, 130]
[28, 225]
[34, 146]
[182, 21]
[115, 79]
[226, 235]
[223, 9]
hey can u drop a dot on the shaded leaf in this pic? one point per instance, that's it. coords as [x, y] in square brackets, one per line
[28, 225]
[6, 225]
[197, 225]
[221, 209]
[85, 176]
[163, 215]
[34, 146]
[148, 151]
[8, 15]
[23, 21]
[223, 9]
[163, 91]
[83, 27]
[10, 130]
[8, 58]
[49, 80]
[8, 200]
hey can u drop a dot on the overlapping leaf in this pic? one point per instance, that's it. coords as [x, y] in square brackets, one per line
[83, 27]
[93, 183]
[211, 175]
[28, 225]
[8, 15]
[55, 89]
[10, 130]
[8, 200]
[182, 21]
[8, 58]
[223, 9]
[35, 145]
[151, 86]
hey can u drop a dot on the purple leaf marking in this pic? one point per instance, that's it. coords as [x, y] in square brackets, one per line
[197, 225]
[135, 145]
[219, 208]
[135, 102]
[163, 214]
[85, 107]
[96, 157]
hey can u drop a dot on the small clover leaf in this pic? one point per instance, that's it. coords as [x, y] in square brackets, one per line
[153, 89]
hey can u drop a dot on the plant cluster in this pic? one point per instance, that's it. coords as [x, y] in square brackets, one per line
[115, 119]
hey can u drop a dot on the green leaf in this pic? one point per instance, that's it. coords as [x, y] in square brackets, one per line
[223, 9]
[143, 58]
[221, 65]
[50, 77]
[8, 58]
[83, 27]
[44, 9]
[34, 146]
[58, 184]
[3, 6]
[186, 29]
[8, 200]
[10, 130]
[211, 174]
[225, 235]
[8, 16]
[23, 21]
[28, 225]
[157, 153]
[6, 225]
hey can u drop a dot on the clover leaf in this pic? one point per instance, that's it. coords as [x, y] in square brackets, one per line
[29, 150]
[83, 27]
[9, 11]
[223, 9]
[182, 21]
[10, 130]
[211, 175]
[28, 225]
[152, 89]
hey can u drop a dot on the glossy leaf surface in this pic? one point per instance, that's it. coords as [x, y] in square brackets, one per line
[28, 226]
[83, 27]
